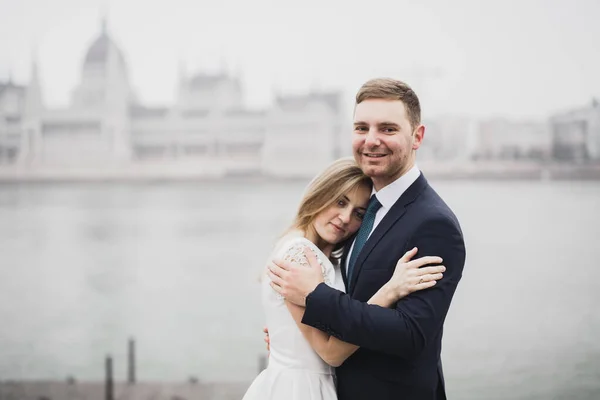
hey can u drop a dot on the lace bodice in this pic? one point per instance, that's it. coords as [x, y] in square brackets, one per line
[293, 250]
[289, 348]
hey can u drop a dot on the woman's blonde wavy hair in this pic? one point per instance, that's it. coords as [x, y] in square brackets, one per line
[339, 178]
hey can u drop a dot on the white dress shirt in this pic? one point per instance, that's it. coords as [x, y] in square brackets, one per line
[388, 196]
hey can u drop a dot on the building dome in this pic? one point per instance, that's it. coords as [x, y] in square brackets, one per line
[99, 52]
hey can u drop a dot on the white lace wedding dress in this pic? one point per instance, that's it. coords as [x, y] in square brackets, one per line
[295, 371]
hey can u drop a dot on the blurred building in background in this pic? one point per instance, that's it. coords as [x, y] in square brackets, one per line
[576, 134]
[504, 139]
[208, 131]
[448, 138]
[207, 128]
[12, 105]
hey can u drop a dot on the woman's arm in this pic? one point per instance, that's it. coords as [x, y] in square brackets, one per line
[332, 350]
[407, 278]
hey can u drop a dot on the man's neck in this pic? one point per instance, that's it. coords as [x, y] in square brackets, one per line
[379, 184]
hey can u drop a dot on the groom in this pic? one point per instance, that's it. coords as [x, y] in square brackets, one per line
[399, 355]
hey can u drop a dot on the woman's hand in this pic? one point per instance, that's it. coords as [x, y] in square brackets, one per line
[409, 276]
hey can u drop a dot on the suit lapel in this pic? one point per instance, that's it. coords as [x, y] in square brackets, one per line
[395, 213]
[343, 261]
[392, 216]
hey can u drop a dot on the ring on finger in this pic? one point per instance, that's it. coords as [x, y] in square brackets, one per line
[420, 281]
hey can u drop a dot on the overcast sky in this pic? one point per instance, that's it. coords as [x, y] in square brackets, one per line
[519, 58]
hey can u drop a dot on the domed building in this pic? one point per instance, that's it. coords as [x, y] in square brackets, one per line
[94, 130]
[206, 131]
[104, 80]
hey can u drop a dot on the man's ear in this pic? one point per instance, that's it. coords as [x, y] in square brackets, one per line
[418, 134]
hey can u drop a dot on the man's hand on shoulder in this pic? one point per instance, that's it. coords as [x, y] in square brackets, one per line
[294, 281]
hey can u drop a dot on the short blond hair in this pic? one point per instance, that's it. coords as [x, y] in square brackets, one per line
[392, 89]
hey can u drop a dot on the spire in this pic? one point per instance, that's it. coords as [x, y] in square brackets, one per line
[182, 72]
[33, 94]
[277, 92]
[237, 73]
[34, 66]
[225, 67]
[103, 26]
[182, 85]
[237, 70]
[104, 20]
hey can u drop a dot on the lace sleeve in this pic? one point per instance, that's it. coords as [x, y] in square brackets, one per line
[294, 252]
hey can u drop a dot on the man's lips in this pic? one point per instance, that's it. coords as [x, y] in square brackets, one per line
[374, 155]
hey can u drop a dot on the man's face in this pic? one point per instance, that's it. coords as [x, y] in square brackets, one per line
[383, 141]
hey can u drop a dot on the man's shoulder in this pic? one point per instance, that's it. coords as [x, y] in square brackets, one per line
[430, 206]
[430, 199]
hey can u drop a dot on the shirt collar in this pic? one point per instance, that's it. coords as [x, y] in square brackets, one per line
[388, 195]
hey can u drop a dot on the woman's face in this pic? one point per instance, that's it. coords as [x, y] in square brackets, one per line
[343, 218]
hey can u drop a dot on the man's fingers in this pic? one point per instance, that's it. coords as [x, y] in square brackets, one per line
[275, 280]
[276, 269]
[284, 265]
[408, 255]
[311, 257]
[276, 288]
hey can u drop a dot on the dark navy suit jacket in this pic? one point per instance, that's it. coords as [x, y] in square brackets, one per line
[399, 355]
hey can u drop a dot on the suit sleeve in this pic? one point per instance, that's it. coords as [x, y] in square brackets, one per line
[405, 330]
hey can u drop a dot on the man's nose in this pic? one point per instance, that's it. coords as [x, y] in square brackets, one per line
[372, 139]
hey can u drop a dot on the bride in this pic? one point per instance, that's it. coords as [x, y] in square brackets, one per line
[302, 358]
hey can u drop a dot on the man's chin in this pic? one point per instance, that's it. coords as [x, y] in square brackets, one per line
[372, 171]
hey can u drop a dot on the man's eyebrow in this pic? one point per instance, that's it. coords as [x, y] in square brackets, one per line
[386, 123]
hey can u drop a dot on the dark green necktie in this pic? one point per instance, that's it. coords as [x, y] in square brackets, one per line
[363, 234]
